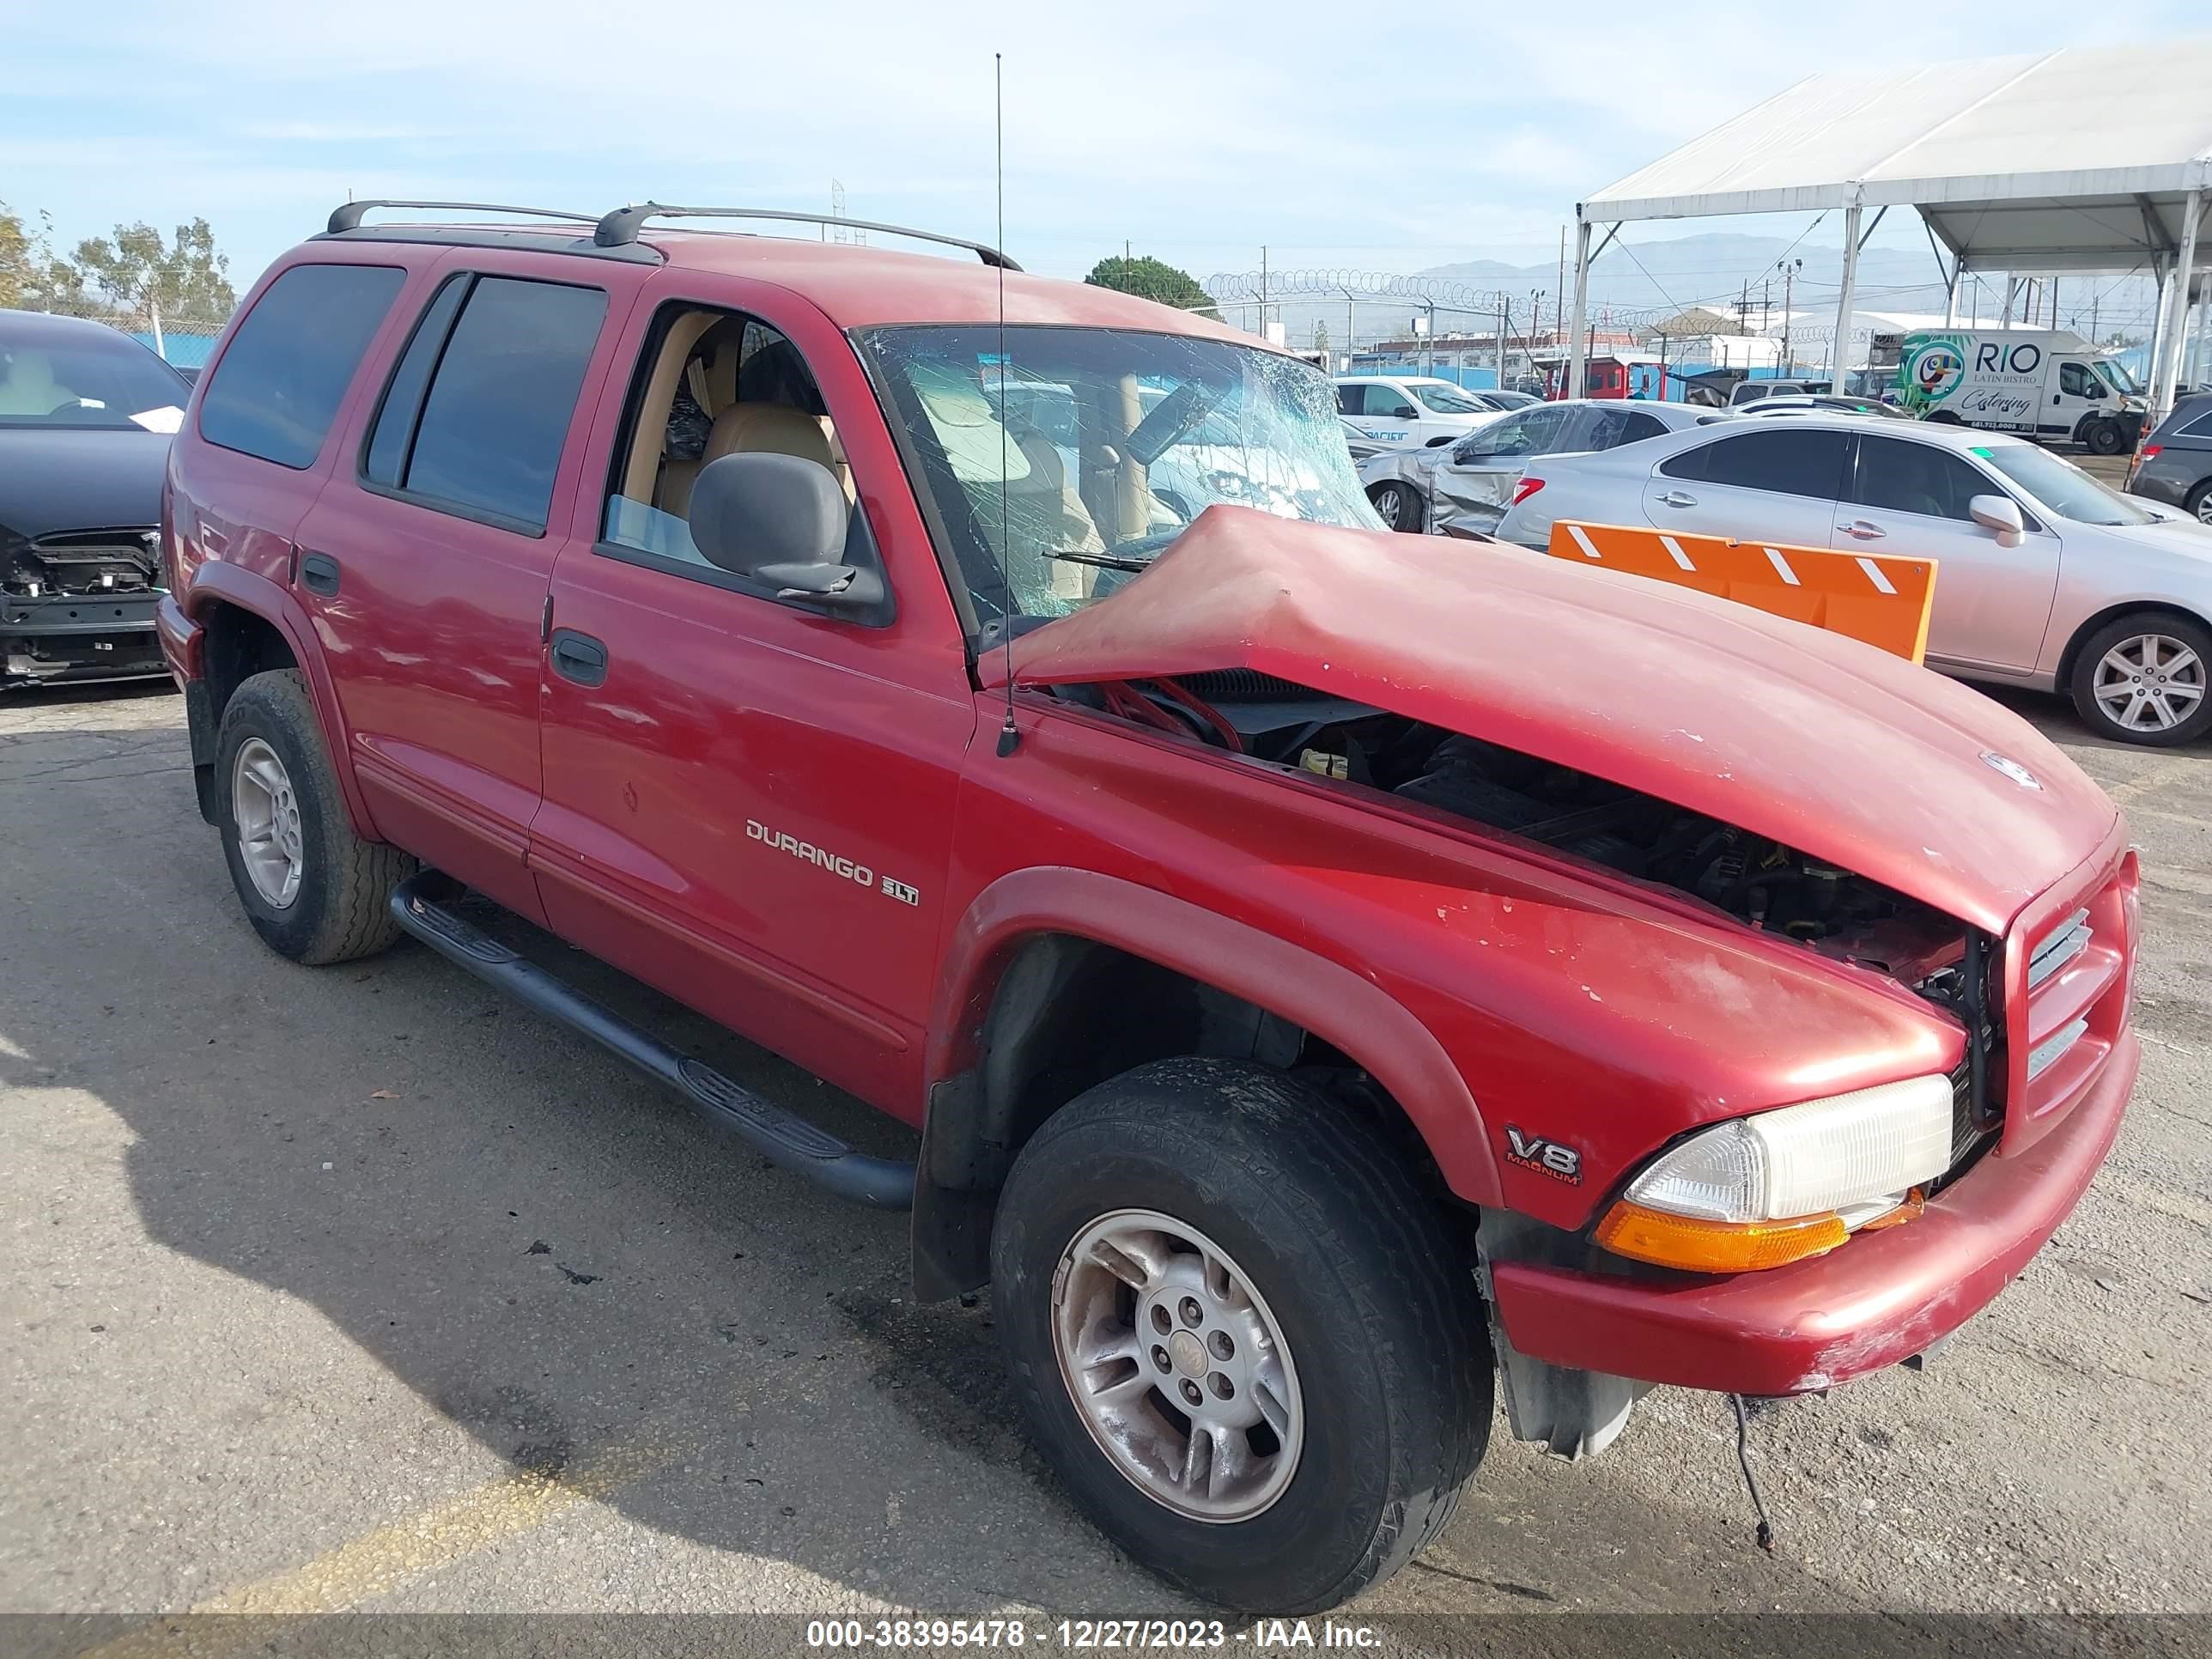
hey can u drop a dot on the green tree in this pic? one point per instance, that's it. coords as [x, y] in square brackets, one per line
[1151, 279]
[31, 277]
[184, 279]
[1320, 336]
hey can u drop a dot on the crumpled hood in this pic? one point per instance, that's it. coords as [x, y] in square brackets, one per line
[1839, 749]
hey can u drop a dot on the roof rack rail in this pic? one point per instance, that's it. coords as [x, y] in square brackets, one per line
[349, 216]
[620, 228]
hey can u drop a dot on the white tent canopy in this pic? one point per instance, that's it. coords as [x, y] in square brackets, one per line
[2093, 158]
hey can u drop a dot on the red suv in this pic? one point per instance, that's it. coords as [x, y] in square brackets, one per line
[1328, 971]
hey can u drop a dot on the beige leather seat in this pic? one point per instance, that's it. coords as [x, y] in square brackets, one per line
[754, 428]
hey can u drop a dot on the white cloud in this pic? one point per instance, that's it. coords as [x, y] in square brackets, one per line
[1393, 138]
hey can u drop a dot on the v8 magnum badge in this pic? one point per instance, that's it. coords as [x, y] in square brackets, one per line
[1547, 1158]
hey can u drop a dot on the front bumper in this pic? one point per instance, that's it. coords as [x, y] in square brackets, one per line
[1882, 1297]
[67, 637]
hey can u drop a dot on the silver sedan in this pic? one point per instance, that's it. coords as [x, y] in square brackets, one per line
[1467, 482]
[2045, 578]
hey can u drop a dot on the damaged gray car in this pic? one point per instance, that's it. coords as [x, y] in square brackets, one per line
[1469, 484]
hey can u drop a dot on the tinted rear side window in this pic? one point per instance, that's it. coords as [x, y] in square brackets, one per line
[498, 412]
[1789, 461]
[403, 399]
[285, 369]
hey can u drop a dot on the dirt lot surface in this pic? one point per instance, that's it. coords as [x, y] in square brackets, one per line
[358, 1288]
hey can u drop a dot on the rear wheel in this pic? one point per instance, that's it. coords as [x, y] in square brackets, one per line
[1945, 417]
[1398, 505]
[2105, 437]
[2200, 502]
[1244, 1334]
[314, 890]
[2144, 678]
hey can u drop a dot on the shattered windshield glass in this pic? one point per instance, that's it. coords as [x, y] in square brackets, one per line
[1076, 458]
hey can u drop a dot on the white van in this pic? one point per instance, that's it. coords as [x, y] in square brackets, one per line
[2045, 384]
[1405, 411]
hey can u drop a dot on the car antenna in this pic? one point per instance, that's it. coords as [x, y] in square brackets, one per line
[1010, 738]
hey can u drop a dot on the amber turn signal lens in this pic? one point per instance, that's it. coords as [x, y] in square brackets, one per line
[1715, 1247]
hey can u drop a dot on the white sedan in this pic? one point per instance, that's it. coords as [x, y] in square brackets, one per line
[1468, 484]
[2045, 578]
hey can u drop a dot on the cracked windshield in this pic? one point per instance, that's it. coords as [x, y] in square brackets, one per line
[1072, 461]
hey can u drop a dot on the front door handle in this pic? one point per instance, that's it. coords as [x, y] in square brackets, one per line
[319, 573]
[1863, 531]
[579, 657]
[1676, 498]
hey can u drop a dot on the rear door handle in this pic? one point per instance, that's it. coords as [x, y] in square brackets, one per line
[1676, 498]
[1863, 531]
[579, 657]
[319, 572]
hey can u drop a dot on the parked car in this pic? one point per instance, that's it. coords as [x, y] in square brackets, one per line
[2175, 465]
[1404, 412]
[1820, 403]
[2048, 384]
[1467, 484]
[1311, 1010]
[85, 418]
[1750, 392]
[1358, 444]
[2045, 577]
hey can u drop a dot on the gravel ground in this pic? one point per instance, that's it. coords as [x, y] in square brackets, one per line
[358, 1288]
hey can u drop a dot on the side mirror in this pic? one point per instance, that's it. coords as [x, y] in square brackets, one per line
[1999, 513]
[780, 520]
[1404, 412]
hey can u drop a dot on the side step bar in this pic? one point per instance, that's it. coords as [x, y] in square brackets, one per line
[884, 1182]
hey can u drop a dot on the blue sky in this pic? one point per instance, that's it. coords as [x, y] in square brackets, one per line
[1388, 138]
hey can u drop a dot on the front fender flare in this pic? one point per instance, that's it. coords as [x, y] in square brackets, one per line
[1341, 1007]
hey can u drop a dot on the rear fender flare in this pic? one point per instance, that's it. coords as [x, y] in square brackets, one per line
[1351, 1014]
[217, 582]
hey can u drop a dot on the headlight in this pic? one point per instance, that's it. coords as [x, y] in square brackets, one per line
[1759, 1191]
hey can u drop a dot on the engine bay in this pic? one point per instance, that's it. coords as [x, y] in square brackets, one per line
[1756, 880]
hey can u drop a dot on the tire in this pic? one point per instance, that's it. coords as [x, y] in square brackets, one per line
[336, 908]
[1354, 1264]
[2105, 437]
[1398, 506]
[2185, 695]
[1944, 417]
[2199, 503]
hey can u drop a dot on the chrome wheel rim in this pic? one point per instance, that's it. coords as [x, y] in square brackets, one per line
[2204, 507]
[2151, 683]
[267, 813]
[1176, 1366]
[1388, 508]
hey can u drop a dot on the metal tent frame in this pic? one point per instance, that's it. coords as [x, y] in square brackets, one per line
[2086, 159]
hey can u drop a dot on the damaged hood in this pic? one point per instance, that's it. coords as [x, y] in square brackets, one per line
[1830, 746]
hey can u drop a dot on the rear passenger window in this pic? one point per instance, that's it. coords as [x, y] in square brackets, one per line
[1789, 462]
[285, 369]
[489, 435]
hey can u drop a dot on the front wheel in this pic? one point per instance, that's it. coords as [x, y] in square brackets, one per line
[2143, 678]
[1245, 1336]
[1398, 505]
[2105, 437]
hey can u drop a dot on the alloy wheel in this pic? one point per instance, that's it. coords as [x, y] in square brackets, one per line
[267, 813]
[1176, 1366]
[2150, 683]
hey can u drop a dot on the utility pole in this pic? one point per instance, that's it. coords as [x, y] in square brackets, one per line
[1505, 325]
[1560, 293]
[1263, 290]
[1788, 268]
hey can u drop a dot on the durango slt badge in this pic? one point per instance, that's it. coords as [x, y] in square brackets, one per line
[784, 841]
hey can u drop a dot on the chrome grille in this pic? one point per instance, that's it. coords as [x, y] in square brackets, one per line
[2060, 946]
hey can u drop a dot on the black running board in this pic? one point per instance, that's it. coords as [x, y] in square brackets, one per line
[886, 1183]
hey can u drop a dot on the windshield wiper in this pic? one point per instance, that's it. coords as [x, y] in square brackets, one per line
[1103, 560]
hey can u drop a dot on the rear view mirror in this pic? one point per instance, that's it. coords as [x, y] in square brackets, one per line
[1999, 513]
[781, 520]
